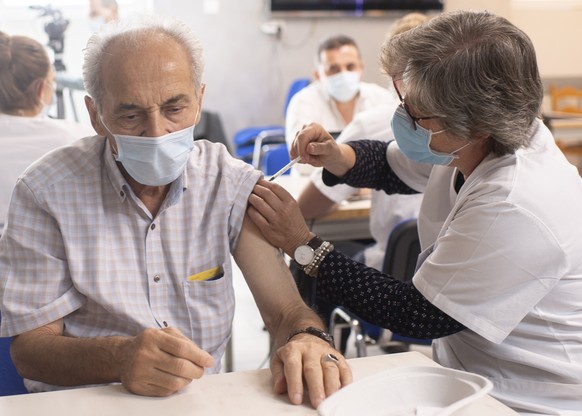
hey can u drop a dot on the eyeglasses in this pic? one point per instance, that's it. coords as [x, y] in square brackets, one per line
[413, 119]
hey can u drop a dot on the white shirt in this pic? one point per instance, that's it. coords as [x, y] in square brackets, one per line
[80, 245]
[314, 105]
[387, 211]
[25, 139]
[503, 257]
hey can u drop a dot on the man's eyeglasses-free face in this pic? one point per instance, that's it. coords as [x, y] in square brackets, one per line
[413, 119]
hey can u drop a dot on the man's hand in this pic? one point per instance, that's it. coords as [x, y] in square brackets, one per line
[302, 363]
[161, 362]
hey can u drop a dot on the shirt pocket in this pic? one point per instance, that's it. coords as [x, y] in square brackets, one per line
[209, 298]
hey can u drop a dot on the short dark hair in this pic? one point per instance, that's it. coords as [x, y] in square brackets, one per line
[335, 42]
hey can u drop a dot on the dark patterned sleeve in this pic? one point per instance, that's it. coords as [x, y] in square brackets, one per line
[371, 170]
[381, 300]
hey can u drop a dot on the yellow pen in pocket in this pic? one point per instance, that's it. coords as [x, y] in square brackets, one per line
[211, 274]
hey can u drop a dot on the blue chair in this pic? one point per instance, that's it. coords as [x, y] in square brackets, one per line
[11, 382]
[274, 158]
[244, 140]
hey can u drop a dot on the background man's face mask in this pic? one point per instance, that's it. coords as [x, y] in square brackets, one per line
[342, 86]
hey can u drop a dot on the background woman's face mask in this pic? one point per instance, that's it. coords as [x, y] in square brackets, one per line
[155, 161]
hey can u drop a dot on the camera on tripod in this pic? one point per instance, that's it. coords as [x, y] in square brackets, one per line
[55, 30]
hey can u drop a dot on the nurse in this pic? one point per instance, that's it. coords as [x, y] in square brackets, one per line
[499, 282]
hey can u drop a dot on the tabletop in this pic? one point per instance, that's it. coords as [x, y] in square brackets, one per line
[349, 222]
[240, 393]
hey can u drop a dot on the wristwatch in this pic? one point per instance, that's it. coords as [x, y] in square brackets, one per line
[311, 330]
[304, 254]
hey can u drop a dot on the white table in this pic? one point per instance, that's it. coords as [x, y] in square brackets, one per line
[243, 393]
[351, 221]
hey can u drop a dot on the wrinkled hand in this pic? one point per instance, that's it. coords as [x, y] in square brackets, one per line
[160, 362]
[318, 148]
[300, 364]
[277, 215]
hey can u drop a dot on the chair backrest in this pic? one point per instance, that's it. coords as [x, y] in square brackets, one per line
[244, 140]
[295, 87]
[274, 158]
[402, 251]
[210, 128]
[11, 382]
[566, 99]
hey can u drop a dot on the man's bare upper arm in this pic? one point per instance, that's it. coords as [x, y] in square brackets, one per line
[266, 272]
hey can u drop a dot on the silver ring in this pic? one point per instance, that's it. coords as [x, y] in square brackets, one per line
[330, 358]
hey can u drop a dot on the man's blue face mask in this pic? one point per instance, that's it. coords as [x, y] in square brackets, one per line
[155, 161]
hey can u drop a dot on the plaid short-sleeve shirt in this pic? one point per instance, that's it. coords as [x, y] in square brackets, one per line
[79, 245]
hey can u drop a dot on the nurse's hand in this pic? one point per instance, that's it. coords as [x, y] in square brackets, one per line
[277, 215]
[318, 148]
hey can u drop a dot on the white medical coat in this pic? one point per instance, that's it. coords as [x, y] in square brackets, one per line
[504, 258]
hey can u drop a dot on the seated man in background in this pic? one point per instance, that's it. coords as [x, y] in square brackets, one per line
[115, 264]
[27, 86]
[337, 93]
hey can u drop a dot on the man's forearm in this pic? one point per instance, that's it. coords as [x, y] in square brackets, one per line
[65, 361]
[298, 317]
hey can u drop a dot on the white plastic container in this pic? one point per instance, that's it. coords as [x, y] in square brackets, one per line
[407, 391]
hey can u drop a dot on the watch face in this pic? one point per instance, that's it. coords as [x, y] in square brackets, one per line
[304, 255]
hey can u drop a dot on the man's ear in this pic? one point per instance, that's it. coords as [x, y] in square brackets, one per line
[316, 74]
[94, 116]
[201, 95]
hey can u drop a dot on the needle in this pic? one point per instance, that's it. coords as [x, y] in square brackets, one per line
[285, 168]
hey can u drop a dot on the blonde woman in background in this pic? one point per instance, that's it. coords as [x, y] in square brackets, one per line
[27, 86]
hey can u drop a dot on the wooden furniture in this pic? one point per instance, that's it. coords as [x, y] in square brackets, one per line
[566, 99]
[567, 130]
[242, 393]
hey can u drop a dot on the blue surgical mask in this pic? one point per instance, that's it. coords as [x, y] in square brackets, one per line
[342, 86]
[155, 161]
[415, 144]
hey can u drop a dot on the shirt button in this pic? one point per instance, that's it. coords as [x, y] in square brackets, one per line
[157, 278]
[153, 227]
[165, 324]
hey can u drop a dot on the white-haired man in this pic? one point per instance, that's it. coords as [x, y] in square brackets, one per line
[115, 264]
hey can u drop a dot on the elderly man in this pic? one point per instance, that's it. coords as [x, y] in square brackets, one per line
[115, 264]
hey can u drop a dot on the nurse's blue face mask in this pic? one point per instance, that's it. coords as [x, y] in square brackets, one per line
[414, 140]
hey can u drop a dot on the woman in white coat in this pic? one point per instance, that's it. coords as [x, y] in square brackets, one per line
[27, 86]
[499, 283]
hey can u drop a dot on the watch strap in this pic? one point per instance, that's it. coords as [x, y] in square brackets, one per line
[311, 330]
[315, 242]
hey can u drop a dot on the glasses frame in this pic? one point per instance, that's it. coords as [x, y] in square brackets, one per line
[414, 120]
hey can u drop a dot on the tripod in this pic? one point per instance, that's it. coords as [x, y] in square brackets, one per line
[55, 30]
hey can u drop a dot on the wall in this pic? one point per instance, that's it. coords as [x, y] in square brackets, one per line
[554, 27]
[248, 72]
